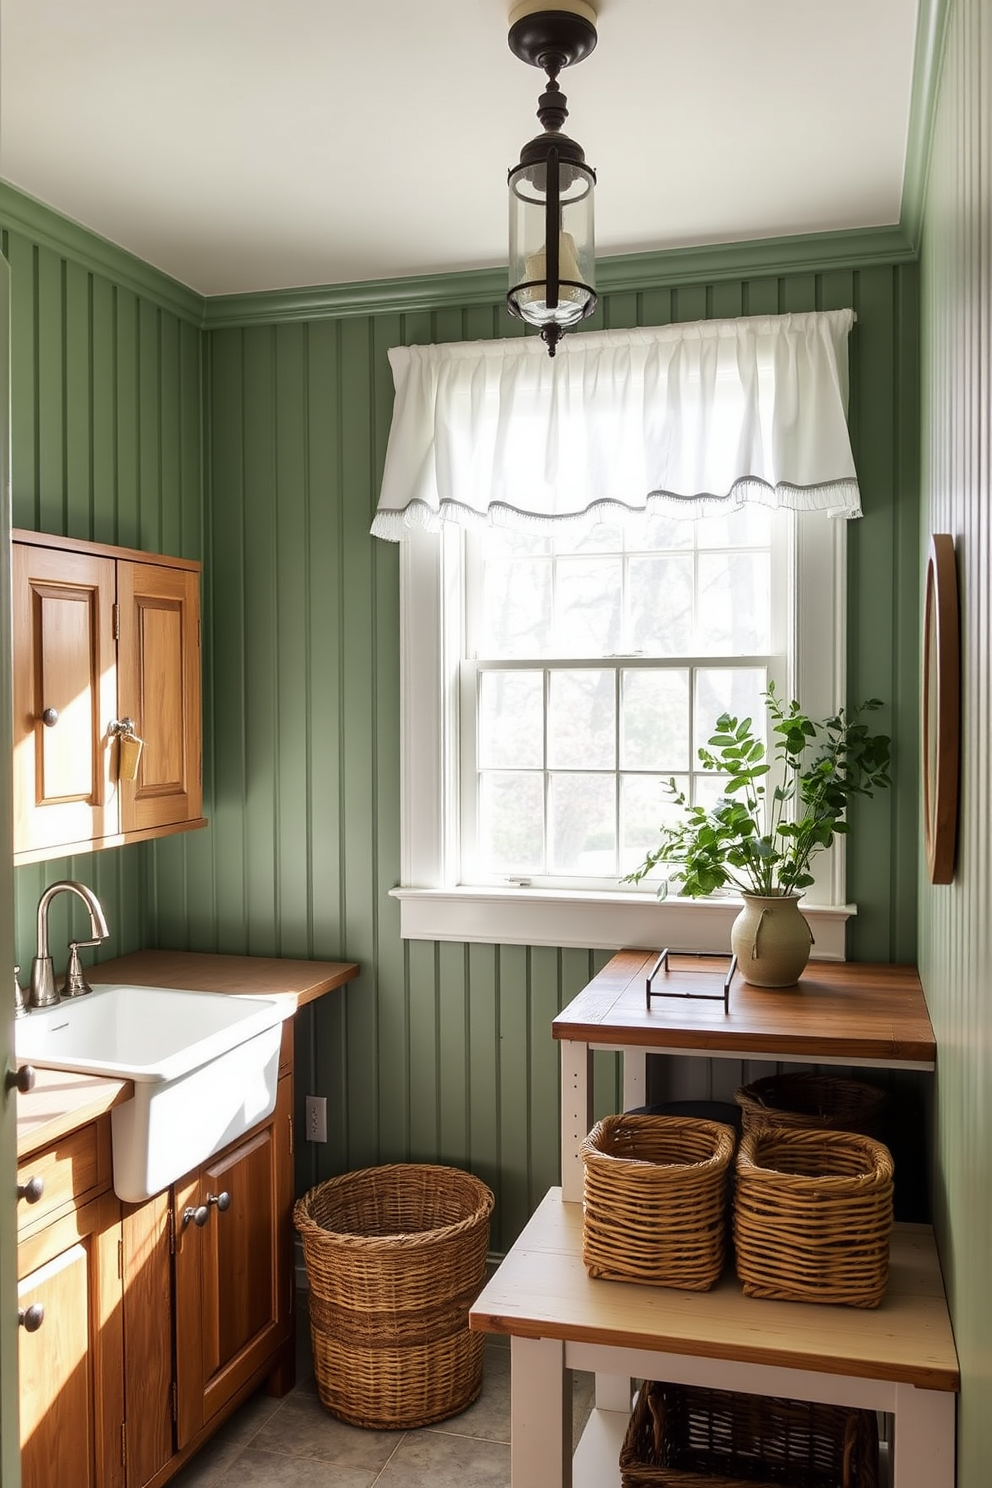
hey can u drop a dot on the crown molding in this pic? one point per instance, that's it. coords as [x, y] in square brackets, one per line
[623, 274]
[630, 273]
[931, 34]
[49, 229]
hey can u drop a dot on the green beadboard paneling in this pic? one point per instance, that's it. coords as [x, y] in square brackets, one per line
[106, 444]
[955, 926]
[441, 1052]
[258, 446]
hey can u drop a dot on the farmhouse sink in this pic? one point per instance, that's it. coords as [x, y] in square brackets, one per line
[204, 1065]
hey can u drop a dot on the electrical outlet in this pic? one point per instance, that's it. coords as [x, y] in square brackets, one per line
[316, 1118]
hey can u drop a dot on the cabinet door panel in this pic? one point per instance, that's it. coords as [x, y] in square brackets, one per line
[71, 1368]
[57, 1403]
[233, 1303]
[148, 1330]
[158, 687]
[64, 659]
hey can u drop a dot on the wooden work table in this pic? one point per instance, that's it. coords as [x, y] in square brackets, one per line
[841, 1012]
[898, 1358]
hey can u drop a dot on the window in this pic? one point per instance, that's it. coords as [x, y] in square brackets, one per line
[552, 683]
[555, 672]
[594, 667]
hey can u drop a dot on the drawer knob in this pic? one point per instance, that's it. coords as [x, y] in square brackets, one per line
[31, 1318]
[197, 1216]
[31, 1191]
[50, 717]
[222, 1200]
[22, 1079]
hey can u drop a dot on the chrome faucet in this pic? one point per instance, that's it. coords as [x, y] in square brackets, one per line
[43, 992]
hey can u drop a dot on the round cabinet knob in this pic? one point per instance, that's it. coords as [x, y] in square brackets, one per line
[197, 1216]
[31, 1318]
[31, 1191]
[22, 1079]
[50, 717]
[222, 1200]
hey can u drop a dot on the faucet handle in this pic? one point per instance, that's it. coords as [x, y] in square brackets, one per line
[20, 995]
[75, 982]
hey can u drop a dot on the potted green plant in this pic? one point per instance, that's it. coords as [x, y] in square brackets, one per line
[772, 819]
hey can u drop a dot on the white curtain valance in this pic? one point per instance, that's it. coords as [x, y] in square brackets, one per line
[690, 419]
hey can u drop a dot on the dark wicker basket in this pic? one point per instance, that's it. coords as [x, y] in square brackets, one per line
[683, 1436]
[395, 1257]
[804, 1098]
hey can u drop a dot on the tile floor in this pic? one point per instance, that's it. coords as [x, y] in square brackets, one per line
[294, 1441]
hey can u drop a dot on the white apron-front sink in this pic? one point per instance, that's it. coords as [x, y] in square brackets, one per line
[205, 1066]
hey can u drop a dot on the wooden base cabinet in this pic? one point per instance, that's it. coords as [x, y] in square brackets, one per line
[103, 635]
[71, 1365]
[220, 1244]
[233, 1284]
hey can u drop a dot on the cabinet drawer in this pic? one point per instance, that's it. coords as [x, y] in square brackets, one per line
[73, 1170]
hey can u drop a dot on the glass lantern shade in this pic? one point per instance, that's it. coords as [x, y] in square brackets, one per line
[551, 201]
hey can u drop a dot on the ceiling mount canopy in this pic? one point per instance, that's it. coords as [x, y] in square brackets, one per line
[552, 276]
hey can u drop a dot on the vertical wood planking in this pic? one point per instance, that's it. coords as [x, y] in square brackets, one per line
[437, 1053]
[955, 938]
[80, 438]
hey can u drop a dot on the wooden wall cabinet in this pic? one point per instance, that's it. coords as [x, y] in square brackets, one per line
[72, 1366]
[102, 634]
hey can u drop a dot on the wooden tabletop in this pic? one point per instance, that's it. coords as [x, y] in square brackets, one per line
[542, 1290]
[839, 1010]
[260, 976]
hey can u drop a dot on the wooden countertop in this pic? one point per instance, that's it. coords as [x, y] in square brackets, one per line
[259, 976]
[60, 1102]
[840, 1010]
[542, 1290]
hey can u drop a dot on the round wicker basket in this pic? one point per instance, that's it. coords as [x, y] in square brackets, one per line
[655, 1200]
[395, 1257]
[805, 1098]
[813, 1216]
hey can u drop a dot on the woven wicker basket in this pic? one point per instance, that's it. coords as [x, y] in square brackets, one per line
[813, 1215]
[395, 1257]
[655, 1200]
[804, 1098]
[681, 1436]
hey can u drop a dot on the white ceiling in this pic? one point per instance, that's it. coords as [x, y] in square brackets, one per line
[264, 144]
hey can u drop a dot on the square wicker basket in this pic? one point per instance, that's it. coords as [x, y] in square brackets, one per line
[806, 1098]
[683, 1436]
[813, 1216]
[656, 1200]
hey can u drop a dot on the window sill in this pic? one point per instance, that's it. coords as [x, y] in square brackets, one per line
[594, 921]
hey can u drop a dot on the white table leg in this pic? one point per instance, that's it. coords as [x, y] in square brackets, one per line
[540, 1414]
[613, 1392]
[635, 1082]
[923, 1444]
[576, 1114]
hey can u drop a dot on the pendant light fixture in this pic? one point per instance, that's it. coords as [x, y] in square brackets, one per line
[552, 271]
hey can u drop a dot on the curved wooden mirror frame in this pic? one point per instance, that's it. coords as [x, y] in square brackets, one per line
[941, 708]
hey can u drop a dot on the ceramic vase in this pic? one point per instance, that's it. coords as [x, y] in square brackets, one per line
[771, 940]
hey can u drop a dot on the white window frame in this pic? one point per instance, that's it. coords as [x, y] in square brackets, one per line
[435, 905]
